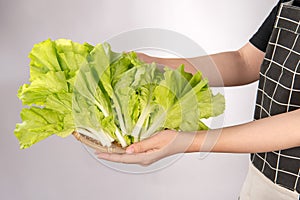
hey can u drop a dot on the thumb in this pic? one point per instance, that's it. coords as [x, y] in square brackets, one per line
[140, 147]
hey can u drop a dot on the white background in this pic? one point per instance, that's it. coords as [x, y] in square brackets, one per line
[61, 168]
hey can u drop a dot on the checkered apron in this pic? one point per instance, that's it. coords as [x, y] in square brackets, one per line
[279, 92]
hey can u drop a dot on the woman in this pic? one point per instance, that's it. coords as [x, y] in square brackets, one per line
[271, 56]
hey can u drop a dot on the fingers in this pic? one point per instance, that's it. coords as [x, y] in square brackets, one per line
[147, 151]
[137, 153]
[122, 158]
[141, 158]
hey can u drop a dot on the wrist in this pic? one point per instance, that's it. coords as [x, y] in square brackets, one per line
[198, 138]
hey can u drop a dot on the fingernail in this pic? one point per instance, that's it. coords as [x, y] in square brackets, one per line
[130, 150]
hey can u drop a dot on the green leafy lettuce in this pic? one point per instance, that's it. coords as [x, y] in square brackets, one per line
[108, 96]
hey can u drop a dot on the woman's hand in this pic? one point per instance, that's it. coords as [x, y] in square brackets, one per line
[150, 150]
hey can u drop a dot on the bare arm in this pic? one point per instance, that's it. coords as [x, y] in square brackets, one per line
[269, 134]
[235, 67]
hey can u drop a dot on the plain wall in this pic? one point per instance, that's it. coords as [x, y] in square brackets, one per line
[61, 168]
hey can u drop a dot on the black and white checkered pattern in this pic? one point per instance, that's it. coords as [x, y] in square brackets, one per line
[279, 92]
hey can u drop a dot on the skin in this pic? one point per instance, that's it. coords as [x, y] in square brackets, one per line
[235, 68]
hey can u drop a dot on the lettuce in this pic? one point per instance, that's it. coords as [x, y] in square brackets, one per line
[108, 96]
[53, 67]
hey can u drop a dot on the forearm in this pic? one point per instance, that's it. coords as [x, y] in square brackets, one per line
[222, 69]
[269, 134]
